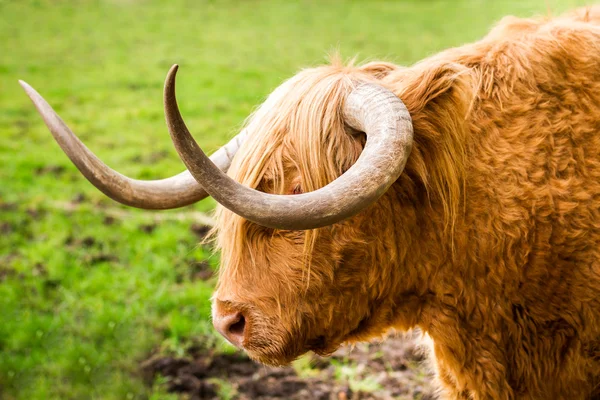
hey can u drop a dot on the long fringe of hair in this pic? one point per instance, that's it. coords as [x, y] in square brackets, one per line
[298, 141]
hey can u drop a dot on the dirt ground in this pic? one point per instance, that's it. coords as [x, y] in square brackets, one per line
[393, 369]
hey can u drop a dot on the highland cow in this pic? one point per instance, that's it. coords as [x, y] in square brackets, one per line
[460, 196]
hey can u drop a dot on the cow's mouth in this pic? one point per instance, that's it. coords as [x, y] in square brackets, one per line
[273, 353]
[274, 359]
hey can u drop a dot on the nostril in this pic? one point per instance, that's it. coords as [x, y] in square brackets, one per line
[231, 326]
[237, 328]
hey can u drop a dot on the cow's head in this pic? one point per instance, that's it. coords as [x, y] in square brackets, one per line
[305, 209]
[284, 290]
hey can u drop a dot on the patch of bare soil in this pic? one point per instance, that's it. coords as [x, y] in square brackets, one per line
[393, 369]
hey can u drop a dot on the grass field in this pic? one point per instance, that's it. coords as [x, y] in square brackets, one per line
[89, 288]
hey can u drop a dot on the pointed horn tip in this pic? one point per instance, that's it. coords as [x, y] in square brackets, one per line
[30, 91]
[24, 84]
[170, 79]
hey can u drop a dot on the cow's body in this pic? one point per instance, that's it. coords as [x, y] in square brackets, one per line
[515, 285]
[517, 309]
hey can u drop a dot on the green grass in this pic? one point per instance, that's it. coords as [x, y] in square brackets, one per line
[83, 301]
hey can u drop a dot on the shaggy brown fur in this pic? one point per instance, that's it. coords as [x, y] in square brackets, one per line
[489, 241]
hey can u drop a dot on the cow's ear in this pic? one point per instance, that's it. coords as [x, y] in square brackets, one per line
[378, 69]
[442, 87]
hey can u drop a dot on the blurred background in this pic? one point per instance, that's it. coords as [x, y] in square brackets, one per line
[101, 301]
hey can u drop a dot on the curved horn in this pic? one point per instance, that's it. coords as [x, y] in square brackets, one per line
[177, 191]
[369, 108]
